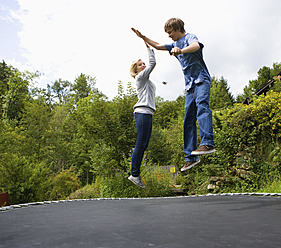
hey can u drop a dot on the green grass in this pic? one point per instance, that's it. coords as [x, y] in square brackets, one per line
[274, 187]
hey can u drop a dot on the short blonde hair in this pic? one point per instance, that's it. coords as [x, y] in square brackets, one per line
[133, 68]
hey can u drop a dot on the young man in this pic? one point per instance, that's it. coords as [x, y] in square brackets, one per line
[188, 50]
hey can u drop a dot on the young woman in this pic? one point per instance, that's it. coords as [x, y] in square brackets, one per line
[143, 112]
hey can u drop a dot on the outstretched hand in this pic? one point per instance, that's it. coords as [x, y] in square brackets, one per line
[138, 33]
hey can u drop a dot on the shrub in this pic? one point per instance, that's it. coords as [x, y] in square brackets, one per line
[63, 184]
[23, 178]
[88, 191]
[157, 180]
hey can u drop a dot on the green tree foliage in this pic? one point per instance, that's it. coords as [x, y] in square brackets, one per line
[264, 75]
[13, 90]
[23, 178]
[165, 121]
[63, 184]
[10, 138]
[35, 122]
[89, 121]
[5, 72]
[61, 91]
[174, 142]
[123, 136]
[83, 86]
[59, 135]
[221, 97]
[167, 112]
[252, 131]
[69, 135]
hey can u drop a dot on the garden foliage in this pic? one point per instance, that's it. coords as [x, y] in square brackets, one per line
[70, 140]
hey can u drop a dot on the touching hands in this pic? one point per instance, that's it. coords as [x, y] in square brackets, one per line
[138, 33]
[147, 45]
[149, 42]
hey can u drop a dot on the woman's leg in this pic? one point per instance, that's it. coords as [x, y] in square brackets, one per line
[144, 128]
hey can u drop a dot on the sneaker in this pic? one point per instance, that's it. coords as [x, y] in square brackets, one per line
[205, 149]
[189, 164]
[137, 181]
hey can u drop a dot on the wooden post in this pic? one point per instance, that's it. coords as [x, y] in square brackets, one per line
[4, 199]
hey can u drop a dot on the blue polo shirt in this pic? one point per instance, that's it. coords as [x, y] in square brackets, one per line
[193, 65]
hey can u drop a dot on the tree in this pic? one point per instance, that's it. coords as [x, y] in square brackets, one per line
[166, 112]
[92, 121]
[61, 89]
[24, 178]
[221, 97]
[164, 121]
[83, 86]
[13, 90]
[5, 72]
[59, 150]
[264, 75]
[123, 132]
[35, 121]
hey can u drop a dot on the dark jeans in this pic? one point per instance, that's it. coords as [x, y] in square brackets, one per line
[144, 128]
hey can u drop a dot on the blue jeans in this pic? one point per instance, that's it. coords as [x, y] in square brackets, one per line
[197, 108]
[144, 128]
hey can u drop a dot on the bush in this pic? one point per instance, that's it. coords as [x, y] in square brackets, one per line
[157, 180]
[272, 187]
[63, 184]
[23, 178]
[248, 154]
[88, 191]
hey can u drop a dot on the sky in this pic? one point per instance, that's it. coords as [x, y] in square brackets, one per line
[64, 38]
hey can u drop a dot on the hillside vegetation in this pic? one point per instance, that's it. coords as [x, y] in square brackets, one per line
[70, 140]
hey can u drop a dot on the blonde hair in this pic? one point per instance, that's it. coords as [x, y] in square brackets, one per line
[133, 68]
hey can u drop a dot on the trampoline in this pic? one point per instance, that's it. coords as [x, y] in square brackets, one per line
[177, 222]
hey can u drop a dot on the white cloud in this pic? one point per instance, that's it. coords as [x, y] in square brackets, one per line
[63, 38]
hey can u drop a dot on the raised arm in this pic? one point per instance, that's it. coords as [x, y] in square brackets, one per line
[152, 43]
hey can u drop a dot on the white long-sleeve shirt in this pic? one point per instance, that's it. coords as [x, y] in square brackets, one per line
[145, 88]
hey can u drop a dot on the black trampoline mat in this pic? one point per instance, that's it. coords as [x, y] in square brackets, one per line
[208, 221]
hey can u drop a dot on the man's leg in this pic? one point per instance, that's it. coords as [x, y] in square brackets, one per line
[204, 117]
[189, 127]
